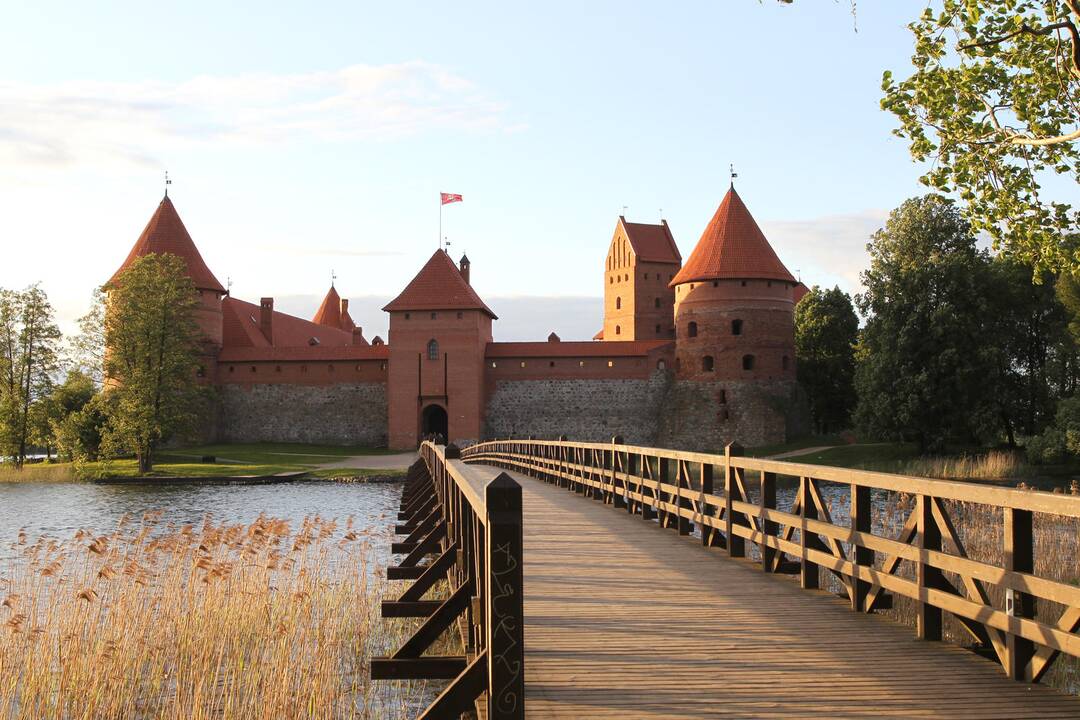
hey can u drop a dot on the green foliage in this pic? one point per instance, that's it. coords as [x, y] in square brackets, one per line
[86, 351]
[78, 433]
[826, 329]
[29, 360]
[924, 362]
[153, 342]
[1047, 448]
[993, 106]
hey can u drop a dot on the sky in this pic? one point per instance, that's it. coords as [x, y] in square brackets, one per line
[310, 138]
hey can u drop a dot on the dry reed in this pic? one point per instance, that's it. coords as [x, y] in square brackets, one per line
[211, 621]
[994, 465]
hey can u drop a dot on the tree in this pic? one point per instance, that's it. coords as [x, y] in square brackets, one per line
[86, 351]
[153, 354]
[994, 105]
[29, 345]
[925, 369]
[826, 329]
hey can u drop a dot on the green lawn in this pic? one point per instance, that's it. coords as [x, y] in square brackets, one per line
[807, 442]
[231, 460]
[886, 457]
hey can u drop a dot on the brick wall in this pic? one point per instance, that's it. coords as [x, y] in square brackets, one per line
[341, 414]
[587, 410]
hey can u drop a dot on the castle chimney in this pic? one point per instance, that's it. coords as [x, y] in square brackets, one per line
[266, 318]
[344, 306]
[464, 266]
[358, 335]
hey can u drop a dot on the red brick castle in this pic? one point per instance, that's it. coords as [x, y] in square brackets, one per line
[692, 355]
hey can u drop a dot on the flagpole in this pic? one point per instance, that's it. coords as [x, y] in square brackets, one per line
[440, 220]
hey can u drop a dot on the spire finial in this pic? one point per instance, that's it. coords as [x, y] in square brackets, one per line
[228, 286]
[333, 277]
[168, 182]
[734, 174]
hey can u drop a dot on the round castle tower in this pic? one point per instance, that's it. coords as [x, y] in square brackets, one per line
[734, 332]
[165, 233]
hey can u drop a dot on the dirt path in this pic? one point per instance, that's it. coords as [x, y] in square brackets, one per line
[800, 451]
[373, 462]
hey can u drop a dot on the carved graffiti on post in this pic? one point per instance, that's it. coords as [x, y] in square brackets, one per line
[505, 640]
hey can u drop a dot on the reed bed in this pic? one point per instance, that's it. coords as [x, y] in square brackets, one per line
[212, 621]
[38, 472]
[994, 465]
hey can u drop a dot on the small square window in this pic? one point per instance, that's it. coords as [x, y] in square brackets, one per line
[460, 315]
[434, 315]
[522, 363]
[408, 315]
[611, 363]
[552, 363]
[581, 363]
[494, 364]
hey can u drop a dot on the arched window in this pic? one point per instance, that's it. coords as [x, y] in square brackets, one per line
[785, 362]
[432, 350]
[618, 330]
[747, 362]
[656, 302]
[736, 327]
[691, 329]
[707, 363]
[661, 365]
[657, 329]
[618, 303]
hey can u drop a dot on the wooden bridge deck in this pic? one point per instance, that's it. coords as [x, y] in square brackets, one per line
[626, 620]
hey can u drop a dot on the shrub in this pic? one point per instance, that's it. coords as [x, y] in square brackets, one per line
[1050, 448]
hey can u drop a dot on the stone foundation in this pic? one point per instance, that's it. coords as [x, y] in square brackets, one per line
[585, 410]
[705, 417]
[342, 414]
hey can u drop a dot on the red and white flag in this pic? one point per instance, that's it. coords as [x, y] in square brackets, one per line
[448, 198]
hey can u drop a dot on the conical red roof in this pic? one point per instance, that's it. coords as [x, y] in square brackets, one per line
[438, 286]
[329, 313]
[165, 233]
[732, 246]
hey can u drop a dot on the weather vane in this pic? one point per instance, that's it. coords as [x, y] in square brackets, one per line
[228, 286]
[333, 277]
[734, 174]
[447, 244]
[168, 182]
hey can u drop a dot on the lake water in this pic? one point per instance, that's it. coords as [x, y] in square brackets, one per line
[58, 510]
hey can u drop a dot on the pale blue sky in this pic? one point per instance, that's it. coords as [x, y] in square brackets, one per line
[305, 137]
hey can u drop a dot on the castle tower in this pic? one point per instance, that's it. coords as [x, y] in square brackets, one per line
[642, 260]
[165, 233]
[439, 331]
[734, 320]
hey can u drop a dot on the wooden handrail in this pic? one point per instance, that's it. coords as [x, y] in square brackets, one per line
[684, 489]
[475, 531]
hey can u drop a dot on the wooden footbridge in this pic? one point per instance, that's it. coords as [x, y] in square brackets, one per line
[605, 580]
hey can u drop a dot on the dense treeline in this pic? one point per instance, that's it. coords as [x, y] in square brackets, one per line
[959, 347]
[53, 396]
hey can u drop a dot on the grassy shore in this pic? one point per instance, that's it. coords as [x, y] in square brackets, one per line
[230, 460]
[243, 621]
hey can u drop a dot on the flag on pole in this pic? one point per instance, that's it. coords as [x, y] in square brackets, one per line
[448, 198]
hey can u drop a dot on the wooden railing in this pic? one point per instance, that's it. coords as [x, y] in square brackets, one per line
[994, 598]
[473, 534]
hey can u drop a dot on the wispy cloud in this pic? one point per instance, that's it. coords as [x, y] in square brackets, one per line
[72, 122]
[828, 250]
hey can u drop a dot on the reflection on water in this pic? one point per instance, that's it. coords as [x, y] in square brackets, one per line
[60, 509]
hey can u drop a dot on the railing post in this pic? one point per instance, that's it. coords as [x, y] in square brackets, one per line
[736, 545]
[1019, 557]
[706, 509]
[809, 576]
[767, 501]
[618, 492]
[504, 614]
[663, 470]
[861, 556]
[928, 622]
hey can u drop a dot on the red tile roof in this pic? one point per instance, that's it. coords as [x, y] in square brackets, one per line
[329, 313]
[584, 348]
[799, 292]
[240, 321]
[438, 286]
[599, 335]
[307, 354]
[652, 243]
[732, 246]
[165, 233]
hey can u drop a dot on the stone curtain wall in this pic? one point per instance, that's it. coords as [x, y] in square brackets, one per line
[342, 414]
[704, 417]
[586, 410]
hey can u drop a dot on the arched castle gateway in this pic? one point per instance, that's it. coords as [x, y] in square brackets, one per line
[690, 356]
